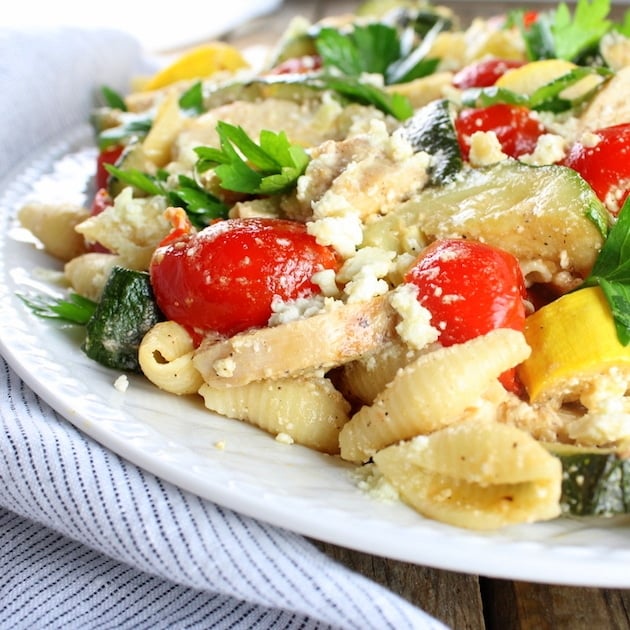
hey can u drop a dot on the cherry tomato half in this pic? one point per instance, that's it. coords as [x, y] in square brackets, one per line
[483, 73]
[224, 278]
[516, 128]
[470, 288]
[604, 162]
[106, 156]
[101, 202]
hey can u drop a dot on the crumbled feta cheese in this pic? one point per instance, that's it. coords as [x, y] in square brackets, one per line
[415, 325]
[485, 149]
[607, 419]
[370, 480]
[363, 273]
[326, 280]
[284, 438]
[550, 148]
[121, 384]
[292, 310]
[224, 367]
[343, 233]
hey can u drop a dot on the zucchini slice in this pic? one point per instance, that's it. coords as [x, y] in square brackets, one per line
[125, 313]
[431, 129]
[546, 213]
[595, 481]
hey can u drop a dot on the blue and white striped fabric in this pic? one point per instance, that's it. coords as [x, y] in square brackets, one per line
[88, 540]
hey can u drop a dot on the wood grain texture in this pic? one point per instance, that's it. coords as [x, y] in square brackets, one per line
[453, 598]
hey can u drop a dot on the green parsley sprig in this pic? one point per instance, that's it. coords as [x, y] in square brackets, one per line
[201, 207]
[268, 167]
[76, 309]
[376, 48]
[358, 91]
[113, 99]
[565, 34]
[611, 272]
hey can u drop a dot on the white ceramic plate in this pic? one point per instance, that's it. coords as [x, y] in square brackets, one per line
[289, 486]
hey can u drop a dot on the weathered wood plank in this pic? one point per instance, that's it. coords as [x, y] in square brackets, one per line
[453, 598]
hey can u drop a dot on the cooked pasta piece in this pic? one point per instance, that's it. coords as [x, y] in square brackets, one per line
[316, 343]
[432, 392]
[165, 357]
[478, 475]
[54, 226]
[88, 273]
[132, 228]
[167, 125]
[310, 411]
[362, 380]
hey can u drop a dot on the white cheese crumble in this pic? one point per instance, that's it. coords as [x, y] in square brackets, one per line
[370, 480]
[326, 280]
[485, 149]
[363, 274]
[292, 310]
[607, 420]
[550, 148]
[224, 367]
[415, 324]
[343, 232]
[121, 384]
[284, 438]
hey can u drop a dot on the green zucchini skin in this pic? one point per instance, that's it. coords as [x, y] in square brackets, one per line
[431, 129]
[125, 313]
[595, 482]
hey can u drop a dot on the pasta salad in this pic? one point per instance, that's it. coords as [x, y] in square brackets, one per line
[400, 240]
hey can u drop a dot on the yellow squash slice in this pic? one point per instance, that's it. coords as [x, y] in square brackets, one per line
[573, 340]
[198, 63]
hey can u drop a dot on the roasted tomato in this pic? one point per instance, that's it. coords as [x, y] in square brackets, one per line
[225, 278]
[603, 160]
[107, 156]
[483, 73]
[470, 288]
[515, 126]
[101, 202]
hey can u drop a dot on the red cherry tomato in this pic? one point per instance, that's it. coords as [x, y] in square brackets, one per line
[101, 201]
[605, 164]
[483, 73]
[106, 156]
[470, 288]
[516, 128]
[298, 65]
[224, 278]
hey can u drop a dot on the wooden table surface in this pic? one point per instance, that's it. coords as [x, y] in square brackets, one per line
[459, 600]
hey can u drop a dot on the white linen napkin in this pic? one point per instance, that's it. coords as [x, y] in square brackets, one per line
[88, 540]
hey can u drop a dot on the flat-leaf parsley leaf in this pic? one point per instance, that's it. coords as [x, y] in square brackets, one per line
[269, 167]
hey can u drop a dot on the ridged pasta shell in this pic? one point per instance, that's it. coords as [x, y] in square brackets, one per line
[431, 392]
[309, 410]
[362, 380]
[479, 475]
